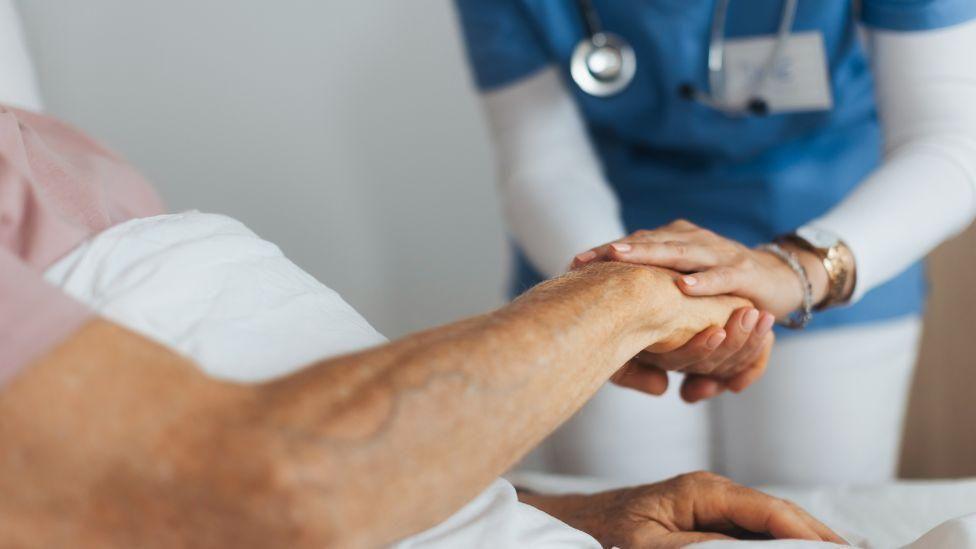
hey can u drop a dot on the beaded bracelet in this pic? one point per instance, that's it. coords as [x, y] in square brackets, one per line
[799, 318]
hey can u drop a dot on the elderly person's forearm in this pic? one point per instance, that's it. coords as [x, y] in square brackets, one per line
[347, 452]
[447, 410]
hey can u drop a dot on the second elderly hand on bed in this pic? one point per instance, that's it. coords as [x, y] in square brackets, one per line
[691, 508]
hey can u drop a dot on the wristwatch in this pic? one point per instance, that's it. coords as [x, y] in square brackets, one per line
[837, 260]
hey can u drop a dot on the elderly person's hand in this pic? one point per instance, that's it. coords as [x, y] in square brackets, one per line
[714, 265]
[688, 509]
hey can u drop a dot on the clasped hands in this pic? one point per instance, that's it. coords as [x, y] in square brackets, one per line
[706, 264]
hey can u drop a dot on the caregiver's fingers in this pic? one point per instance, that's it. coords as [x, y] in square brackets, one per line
[605, 252]
[582, 259]
[750, 350]
[600, 253]
[681, 256]
[696, 351]
[715, 281]
[753, 373]
[644, 378]
[696, 388]
[738, 328]
[745, 364]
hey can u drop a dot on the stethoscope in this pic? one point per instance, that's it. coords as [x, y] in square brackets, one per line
[603, 63]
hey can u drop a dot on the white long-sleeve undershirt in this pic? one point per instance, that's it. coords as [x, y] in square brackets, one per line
[558, 203]
[554, 196]
[925, 189]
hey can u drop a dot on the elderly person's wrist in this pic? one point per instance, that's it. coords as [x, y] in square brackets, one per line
[584, 512]
[680, 317]
[665, 316]
[646, 298]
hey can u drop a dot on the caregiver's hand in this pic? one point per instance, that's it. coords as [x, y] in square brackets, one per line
[717, 265]
[714, 265]
[713, 360]
[733, 356]
[688, 509]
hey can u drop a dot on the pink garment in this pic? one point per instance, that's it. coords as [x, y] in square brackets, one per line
[58, 187]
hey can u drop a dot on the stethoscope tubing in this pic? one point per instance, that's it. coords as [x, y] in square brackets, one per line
[592, 23]
[716, 97]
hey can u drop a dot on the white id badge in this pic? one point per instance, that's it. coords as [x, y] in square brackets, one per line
[799, 81]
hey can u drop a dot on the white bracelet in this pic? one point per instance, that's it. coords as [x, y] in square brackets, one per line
[799, 318]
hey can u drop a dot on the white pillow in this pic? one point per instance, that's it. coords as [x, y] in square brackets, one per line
[207, 286]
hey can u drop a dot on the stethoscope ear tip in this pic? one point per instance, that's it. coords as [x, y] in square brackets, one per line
[686, 91]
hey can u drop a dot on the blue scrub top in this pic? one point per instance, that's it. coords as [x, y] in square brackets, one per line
[750, 178]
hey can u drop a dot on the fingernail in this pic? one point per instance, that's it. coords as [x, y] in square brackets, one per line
[766, 323]
[586, 256]
[749, 320]
[689, 280]
[620, 246]
[716, 340]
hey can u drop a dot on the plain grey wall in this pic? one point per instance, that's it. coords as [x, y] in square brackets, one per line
[346, 132]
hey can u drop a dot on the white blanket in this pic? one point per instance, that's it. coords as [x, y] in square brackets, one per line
[208, 287]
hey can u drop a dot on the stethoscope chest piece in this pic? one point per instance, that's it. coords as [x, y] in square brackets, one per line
[603, 65]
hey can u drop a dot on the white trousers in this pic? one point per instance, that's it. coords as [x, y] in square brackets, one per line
[829, 410]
